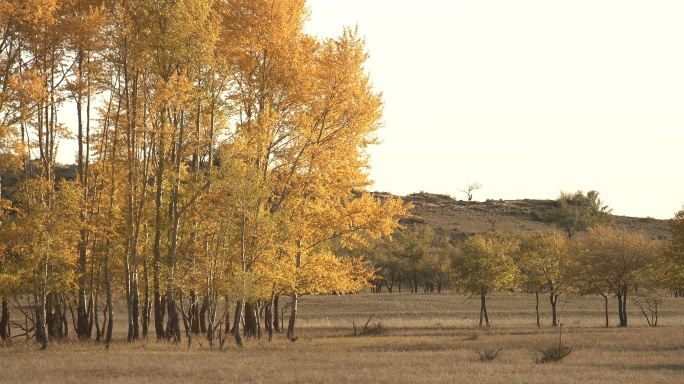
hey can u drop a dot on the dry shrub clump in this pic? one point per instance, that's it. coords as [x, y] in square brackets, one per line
[554, 354]
[369, 329]
[488, 354]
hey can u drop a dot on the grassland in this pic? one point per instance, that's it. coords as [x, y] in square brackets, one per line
[424, 339]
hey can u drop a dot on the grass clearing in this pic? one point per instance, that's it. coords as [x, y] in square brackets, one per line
[426, 339]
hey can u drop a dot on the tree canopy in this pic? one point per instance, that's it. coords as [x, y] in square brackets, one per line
[576, 212]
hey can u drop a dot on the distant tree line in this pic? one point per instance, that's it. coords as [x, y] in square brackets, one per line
[606, 260]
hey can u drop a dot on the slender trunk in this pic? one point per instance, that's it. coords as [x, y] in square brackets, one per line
[108, 288]
[96, 319]
[268, 320]
[605, 299]
[194, 313]
[210, 322]
[41, 310]
[228, 305]
[554, 300]
[483, 307]
[238, 319]
[146, 301]
[293, 304]
[251, 323]
[175, 215]
[203, 311]
[127, 292]
[158, 308]
[135, 305]
[276, 314]
[174, 321]
[82, 319]
[90, 313]
[622, 305]
[293, 317]
[5, 332]
[536, 306]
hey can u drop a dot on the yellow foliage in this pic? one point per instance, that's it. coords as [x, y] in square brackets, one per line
[485, 262]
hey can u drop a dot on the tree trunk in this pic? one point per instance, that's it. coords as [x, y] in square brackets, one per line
[251, 327]
[483, 307]
[108, 288]
[605, 299]
[174, 321]
[622, 305]
[91, 312]
[135, 304]
[146, 302]
[293, 317]
[415, 282]
[5, 333]
[536, 306]
[210, 327]
[238, 319]
[276, 314]
[268, 321]
[227, 303]
[194, 313]
[41, 311]
[203, 314]
[82, 318]
[158, 309]
[158, 224]
[96, 319]
[554, 300]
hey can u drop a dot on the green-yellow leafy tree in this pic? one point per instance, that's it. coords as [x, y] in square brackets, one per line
[544, 262]
[576, 212]
[483, 264]
[672, 258]
[618, 259]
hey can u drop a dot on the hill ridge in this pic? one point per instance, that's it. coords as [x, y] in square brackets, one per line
[459, 218]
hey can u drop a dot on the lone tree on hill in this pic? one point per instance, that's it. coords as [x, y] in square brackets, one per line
[469, 190]
[575, 212]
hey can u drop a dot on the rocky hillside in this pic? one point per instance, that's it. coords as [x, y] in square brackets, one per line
[458, 219]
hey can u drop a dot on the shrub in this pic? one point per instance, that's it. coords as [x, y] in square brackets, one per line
[488, 354]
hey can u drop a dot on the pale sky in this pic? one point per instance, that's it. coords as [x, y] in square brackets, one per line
[526, 97]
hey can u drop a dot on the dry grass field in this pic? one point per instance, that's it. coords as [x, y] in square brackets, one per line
[424, 339]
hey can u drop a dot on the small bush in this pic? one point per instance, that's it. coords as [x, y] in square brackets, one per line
[554, 354]
[368, 329]
[488, 354]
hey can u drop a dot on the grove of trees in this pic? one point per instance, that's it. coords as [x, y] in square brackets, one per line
[221, 164]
